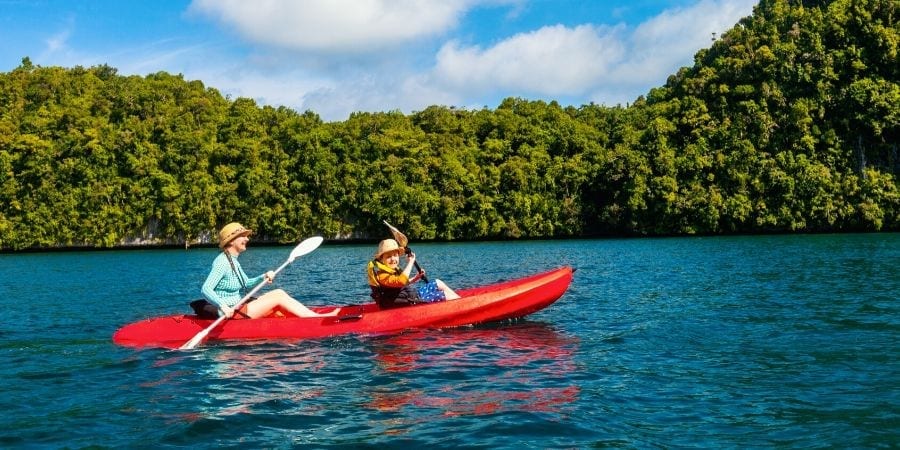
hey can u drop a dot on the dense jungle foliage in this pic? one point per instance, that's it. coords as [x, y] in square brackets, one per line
[789, 122]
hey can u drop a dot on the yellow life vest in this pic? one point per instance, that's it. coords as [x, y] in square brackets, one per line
[376, 269]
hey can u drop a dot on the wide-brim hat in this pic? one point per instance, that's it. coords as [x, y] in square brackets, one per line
[231, 232]
[387, 246]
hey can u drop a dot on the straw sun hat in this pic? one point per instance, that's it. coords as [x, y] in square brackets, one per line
[231, 232]
[387, 246]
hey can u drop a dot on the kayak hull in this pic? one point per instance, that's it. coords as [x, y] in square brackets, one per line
[496, 302]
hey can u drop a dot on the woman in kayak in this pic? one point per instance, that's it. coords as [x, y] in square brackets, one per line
[392, 287]
[223, 285]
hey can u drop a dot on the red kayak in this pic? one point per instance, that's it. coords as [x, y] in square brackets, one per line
[500, 301]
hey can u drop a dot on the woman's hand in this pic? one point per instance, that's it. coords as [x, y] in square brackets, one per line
[417, 277]
[270, 276]
[227, 311]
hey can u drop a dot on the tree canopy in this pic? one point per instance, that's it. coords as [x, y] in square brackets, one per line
[789, 122]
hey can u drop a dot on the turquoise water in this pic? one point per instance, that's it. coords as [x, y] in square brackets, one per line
[732, 342]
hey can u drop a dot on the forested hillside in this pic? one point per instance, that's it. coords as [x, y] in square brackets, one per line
[789, 122]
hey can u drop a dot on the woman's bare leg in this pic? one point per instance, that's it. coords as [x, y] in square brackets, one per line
[449, 294]
[277, 298]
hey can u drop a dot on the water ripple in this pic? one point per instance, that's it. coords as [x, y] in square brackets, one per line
[770, 341]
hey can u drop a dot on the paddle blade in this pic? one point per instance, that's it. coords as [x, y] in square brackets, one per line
[398, 236]
[307, 246]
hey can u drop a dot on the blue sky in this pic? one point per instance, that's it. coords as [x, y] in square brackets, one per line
[334, 57]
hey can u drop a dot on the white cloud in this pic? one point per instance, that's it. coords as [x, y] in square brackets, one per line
[346, 26]
[290, 88]
[552, 60]
[308, 55]
[157, 55]
[57, 42]
[663, 44]
[607, 64]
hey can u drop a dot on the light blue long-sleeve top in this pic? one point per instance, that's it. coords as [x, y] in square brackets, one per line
[222, 285]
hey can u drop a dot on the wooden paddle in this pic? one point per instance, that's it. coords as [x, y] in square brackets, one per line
[401, 239]
[301, 249]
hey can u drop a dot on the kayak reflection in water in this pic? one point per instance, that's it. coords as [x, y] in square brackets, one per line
[528, 368]
[392, 287]
[226, 279]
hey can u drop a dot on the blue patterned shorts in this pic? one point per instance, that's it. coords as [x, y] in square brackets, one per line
[430, 293]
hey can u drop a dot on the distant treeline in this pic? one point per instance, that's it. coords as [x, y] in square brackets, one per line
[788, 123]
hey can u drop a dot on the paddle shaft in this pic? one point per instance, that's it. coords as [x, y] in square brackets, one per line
[402, 240]
[256, 289]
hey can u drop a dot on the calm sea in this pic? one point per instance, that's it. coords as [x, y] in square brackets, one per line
[726, 342]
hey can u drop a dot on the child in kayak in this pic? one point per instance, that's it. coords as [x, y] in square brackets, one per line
[226, 278]
[392, 287]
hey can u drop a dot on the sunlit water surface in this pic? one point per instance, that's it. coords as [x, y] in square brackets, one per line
[713, 342]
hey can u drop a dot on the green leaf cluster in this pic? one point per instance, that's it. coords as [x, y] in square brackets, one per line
[789, 122]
